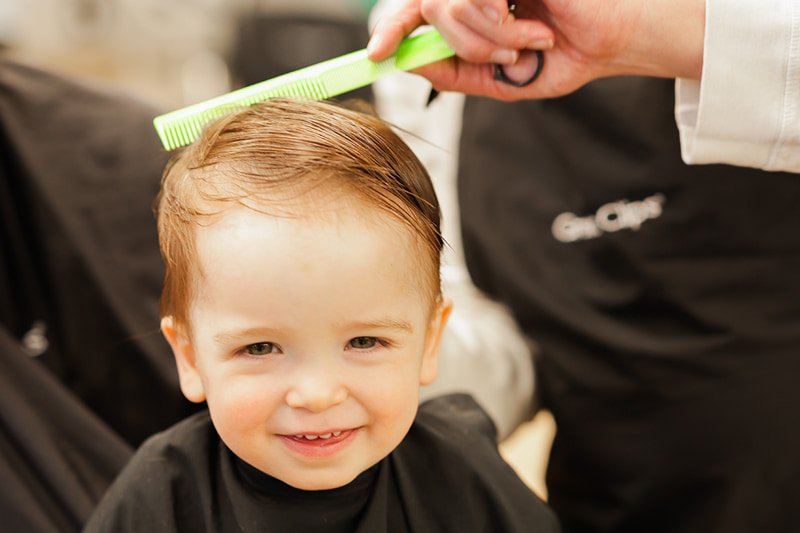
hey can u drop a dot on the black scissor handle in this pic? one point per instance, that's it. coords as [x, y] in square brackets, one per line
[500, 75]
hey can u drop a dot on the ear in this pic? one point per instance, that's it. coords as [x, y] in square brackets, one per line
[430, 360]
[182, 349]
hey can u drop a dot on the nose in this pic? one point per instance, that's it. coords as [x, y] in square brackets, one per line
[316, 389]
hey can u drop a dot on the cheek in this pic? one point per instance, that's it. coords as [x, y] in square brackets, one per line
[239, 407]
[395, 428]
[392, 401]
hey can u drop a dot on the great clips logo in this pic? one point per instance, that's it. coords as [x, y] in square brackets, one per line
[611, 217]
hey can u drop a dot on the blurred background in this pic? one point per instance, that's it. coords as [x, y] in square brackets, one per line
[178, 52]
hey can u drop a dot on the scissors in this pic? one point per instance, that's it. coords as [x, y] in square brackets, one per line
[499, 73]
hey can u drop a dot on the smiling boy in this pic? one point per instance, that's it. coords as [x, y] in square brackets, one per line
[302, 303]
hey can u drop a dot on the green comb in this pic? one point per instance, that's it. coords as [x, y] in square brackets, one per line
[317, 82]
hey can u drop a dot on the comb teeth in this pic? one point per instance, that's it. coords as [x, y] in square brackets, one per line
[316, 82]
[179, 129]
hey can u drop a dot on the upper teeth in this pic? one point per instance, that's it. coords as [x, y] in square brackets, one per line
[325, 436]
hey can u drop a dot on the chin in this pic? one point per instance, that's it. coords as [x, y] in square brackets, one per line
[320, 482]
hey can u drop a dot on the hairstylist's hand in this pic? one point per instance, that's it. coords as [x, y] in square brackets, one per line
[582, 40]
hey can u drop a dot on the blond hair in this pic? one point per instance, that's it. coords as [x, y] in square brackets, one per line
[275, 151]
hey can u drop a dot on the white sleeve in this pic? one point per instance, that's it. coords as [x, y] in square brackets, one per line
[746, 109]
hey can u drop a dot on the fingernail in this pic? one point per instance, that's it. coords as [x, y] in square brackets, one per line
[504, 57]
[492, 15]
[373, 43]
[544, 44]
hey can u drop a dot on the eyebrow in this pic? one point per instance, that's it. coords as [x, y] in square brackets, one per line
[228, 336]
[265, 332]
[388, 323]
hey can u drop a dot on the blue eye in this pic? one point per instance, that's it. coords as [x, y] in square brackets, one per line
[364, 343]
[260, 348]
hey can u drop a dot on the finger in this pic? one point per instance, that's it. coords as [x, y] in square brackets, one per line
[558, 77]
[479, 15]
[474, 47]
[490, 21]
[456, 75]
[392, 28]
[497, 48]
[494, 11]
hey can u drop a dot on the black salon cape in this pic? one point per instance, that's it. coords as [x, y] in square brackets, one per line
[446, 476]
[80, 277]
[665, 299]
[56, 457]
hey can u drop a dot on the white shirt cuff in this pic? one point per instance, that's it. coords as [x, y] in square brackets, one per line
[746, 110]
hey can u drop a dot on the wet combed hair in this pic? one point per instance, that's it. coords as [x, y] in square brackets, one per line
[275, 152]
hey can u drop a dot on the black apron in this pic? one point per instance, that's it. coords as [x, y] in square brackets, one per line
[665, 299]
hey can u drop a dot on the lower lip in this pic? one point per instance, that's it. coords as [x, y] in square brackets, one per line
[320, 447]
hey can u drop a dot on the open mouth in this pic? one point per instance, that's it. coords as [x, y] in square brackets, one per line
[319, 445]
[325, 436]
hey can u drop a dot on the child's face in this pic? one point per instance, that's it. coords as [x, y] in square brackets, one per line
[310, 339]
